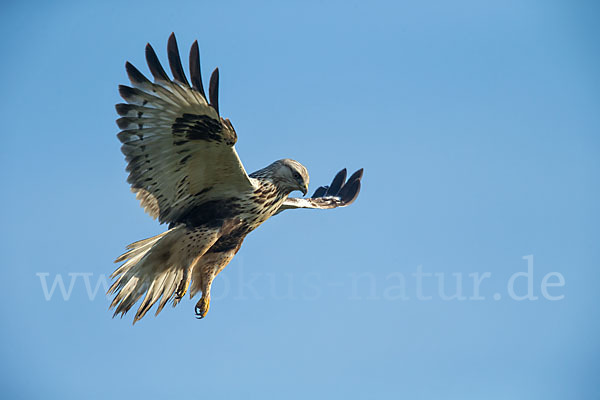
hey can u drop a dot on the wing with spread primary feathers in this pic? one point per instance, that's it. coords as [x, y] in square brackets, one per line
[180, 152]
[339, 193]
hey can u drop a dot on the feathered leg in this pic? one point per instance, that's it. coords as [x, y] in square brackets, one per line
[204, 272]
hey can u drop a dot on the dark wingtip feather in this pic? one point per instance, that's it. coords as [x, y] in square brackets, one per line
[195, 73]
[337, 183]
[123, 122]
[213, 90]
[135, 76]
[156, 69]
[175, 60]
[122, 109]
[126, 92]
[357, 175]
[349, 193]
[320, 192]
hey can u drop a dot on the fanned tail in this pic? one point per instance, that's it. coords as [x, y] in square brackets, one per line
[159, 266]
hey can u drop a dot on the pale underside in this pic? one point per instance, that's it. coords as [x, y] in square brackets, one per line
[185, 171]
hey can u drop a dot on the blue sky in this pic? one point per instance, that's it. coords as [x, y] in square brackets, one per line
[476, 122]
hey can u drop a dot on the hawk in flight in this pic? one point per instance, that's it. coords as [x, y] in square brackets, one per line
[185, 171]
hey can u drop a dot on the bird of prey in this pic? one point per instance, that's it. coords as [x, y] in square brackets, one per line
[185, 171]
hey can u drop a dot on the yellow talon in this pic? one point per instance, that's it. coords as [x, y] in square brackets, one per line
[202, 307]
[183, 287]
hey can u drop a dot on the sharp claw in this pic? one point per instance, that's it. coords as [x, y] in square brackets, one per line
[202, 307]
[183, 286]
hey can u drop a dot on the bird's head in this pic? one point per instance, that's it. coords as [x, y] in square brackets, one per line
[290, 175]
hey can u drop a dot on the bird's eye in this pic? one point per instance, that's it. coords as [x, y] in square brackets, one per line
[297, 176]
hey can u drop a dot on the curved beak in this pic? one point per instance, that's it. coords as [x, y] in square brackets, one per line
[304, 189]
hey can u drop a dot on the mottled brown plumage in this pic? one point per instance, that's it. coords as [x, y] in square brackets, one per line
[184, 169]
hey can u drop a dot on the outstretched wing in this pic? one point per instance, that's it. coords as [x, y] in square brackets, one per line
[180, 152]
[339, 193]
